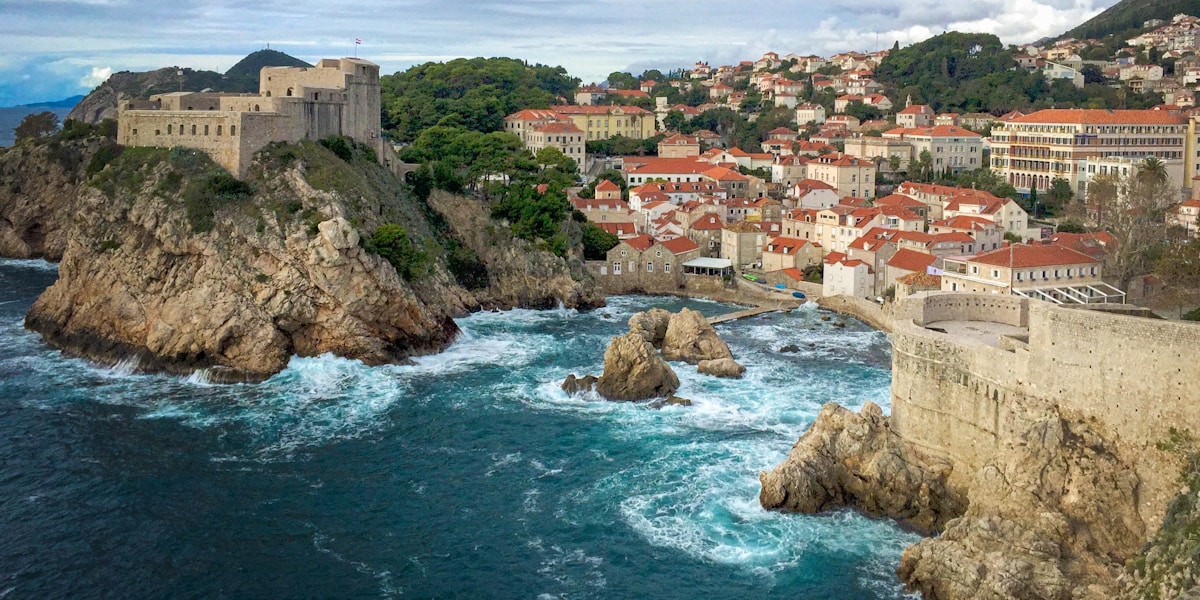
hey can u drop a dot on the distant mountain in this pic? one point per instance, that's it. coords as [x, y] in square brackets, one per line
[242, 78]
[255, 61]
[11, 116]
[1127, 16]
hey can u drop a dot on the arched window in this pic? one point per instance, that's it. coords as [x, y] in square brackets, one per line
[268, 93]
[193, 130]
[255, 108]
[206, 130]
[289, 92]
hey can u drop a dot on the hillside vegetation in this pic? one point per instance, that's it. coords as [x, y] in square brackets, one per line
[1126, 17]
[475, 94]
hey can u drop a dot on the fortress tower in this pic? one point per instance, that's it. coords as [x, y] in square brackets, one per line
[336, 97]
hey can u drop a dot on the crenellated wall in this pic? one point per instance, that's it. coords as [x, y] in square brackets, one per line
[1129, 378]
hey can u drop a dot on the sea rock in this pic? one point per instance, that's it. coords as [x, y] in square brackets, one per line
[634, 371]
[721, 367]
[691, 338]
[790, 349]
[652, 325]
[1053, 515]
[855, 460]
[573, 385]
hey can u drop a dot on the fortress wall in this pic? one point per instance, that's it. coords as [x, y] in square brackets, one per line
[1129, 378]
[953, 401]
[1133, 378]
[993, 308]
[151, 127]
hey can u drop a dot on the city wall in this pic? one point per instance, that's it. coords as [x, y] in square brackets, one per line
[1129, 378]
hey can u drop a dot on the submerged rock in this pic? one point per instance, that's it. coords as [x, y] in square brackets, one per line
[573, 385]
[691, 338]
[634, 371]
[790, 349]
[721, 367]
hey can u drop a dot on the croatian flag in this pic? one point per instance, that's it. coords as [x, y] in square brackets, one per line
[357, 41]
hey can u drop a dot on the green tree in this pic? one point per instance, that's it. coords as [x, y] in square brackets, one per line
[553, 158]
[474, 94]
[597, 242]
[623, 81]
[674, 120]
[1059, 195]
[392, 243]
[1179, 268]
[35, 126]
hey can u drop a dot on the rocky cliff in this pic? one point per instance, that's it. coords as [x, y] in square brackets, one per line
[39, 184]
[168, 260]
[1051, 515]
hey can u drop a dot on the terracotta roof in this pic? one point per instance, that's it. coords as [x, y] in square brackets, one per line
[899, 200]
[629, 93]
[617, 228]
[641, 243]
[679, 245]
[924, 280]
[793, 273]
[911, 260]
[572, 109]
[1095, 244]
[558, 128]
[680, 140]
[594, 204]
[834, 257]
[952, 236]
[965, 222]
[534, 114]
[708, 222]
[1023, 255]
[607, 186]
[681, 166]
[936, 131]
[916, 109]
[1095, 116]
[785, 245]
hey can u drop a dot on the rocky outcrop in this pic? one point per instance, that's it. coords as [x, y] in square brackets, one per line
[1052, 515]
[691, 338]
[651, 325]
[518, 274]
[855, 460]
[167, 262]
[634, 371]
[721, 367]
[39, 184]
[574, 385]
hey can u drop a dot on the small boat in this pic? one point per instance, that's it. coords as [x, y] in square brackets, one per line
[749, 277]
[799, 295]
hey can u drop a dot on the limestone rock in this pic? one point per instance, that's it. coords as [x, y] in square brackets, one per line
[691, 338]
[573, 385]
[721, 367]
[854, 460]
[634, 371]
[1053, 515]
[652, 325]
[790, 349]
[242, 292]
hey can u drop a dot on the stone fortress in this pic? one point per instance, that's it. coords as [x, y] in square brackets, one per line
[335, 97]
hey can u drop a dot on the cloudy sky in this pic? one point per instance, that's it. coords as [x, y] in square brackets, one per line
[52, 49]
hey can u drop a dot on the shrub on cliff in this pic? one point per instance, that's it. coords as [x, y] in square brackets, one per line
[597, 242]
[393, 244]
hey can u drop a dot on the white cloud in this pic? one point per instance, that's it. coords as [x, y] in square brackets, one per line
[96, 77]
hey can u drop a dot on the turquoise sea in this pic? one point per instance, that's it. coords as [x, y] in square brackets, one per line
[467, 475]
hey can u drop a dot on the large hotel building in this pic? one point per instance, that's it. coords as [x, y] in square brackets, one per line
[1033, 150]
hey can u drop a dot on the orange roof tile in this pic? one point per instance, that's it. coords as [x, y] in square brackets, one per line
[607, 186]
[1096, 116]
[679, 245]
[1024, 255]
[911, 260]
[787, 246]
[641, 243]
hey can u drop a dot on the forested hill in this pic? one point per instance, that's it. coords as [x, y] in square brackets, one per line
[474, 93]
[974, 72]
[1126, 17]
[244, 74]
